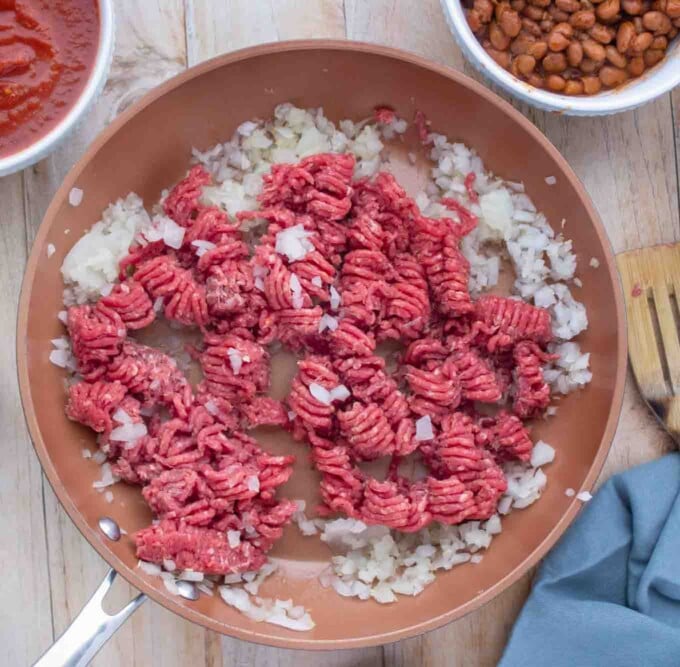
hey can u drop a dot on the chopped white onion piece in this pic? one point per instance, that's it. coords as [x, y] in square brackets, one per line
[61, 343]
[211, 407]
[128, 432]
[296, 289]
[235, 359]
[320, 393]
[541, 454]
[63, 316]
[340, 393]
[234, 538]
[75, 197]
[570, 493]
[316, 280]
[202, 247]
[550, 180]
[173, 234]
[294, 243]
[327, 322]
[106, 290]
[584, 496]
[424, 430]
[335, 298]
[122, 417]
[149, 568]
[253, 483]
[50, 249]
[60, 358]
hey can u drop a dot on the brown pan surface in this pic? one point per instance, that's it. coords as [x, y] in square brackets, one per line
[148, 147]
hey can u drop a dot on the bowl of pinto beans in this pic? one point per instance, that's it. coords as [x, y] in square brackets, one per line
[577, 57]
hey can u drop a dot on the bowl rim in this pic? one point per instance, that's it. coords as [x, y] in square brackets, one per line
[608, 102]
[91, 534]
[47, 142]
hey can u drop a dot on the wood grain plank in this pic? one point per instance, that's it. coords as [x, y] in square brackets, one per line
[419, 27]
[25, 617]
[627, 164]
[217, 27]
[150, 47]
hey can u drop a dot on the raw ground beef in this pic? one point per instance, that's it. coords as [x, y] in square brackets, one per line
[341, 266]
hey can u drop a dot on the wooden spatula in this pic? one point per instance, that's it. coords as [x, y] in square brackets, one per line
[651, 285]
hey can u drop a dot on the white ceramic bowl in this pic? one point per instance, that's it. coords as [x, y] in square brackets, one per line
[48, 142]
[657, 81]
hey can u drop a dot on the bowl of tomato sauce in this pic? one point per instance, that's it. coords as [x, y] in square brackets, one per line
[54, 61]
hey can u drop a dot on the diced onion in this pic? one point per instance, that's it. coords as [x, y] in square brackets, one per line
[75, 197]
[335, 298]
[320, 393]
[294, 243]
[424, 430]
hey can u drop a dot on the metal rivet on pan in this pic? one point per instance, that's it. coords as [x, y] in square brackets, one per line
[110, 528]
[187, 590]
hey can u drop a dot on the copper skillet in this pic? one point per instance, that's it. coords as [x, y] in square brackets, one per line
[147, 148]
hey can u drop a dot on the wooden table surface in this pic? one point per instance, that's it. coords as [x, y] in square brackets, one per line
[628, 163]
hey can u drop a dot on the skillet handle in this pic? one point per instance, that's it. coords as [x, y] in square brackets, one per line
[89, 631]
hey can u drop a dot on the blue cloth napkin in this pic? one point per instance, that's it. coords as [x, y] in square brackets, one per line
[609, 592]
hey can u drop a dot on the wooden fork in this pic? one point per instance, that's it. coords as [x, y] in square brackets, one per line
[651, 285]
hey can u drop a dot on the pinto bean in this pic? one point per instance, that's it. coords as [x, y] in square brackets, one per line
[573, 87]
[533, 13]
[531, 27]
[612, 76]
[556, 83]
[569, 6]
[536, 81]
[501, 57]
[673, 9]
[653, 56]
[499, 40]
[601, 33]
[583, 19]
[632, 7]
[555, 63]
[525, 64]
[624, 36]
[614, 57]
[657, 23]
[557, 41]
[641, 43]
[593, 50]
[636, 66]
[484, 9]
[608, 9]
[538, 50]
[575, 54]
[591, 85]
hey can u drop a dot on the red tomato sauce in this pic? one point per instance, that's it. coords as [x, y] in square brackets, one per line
[47, 51]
